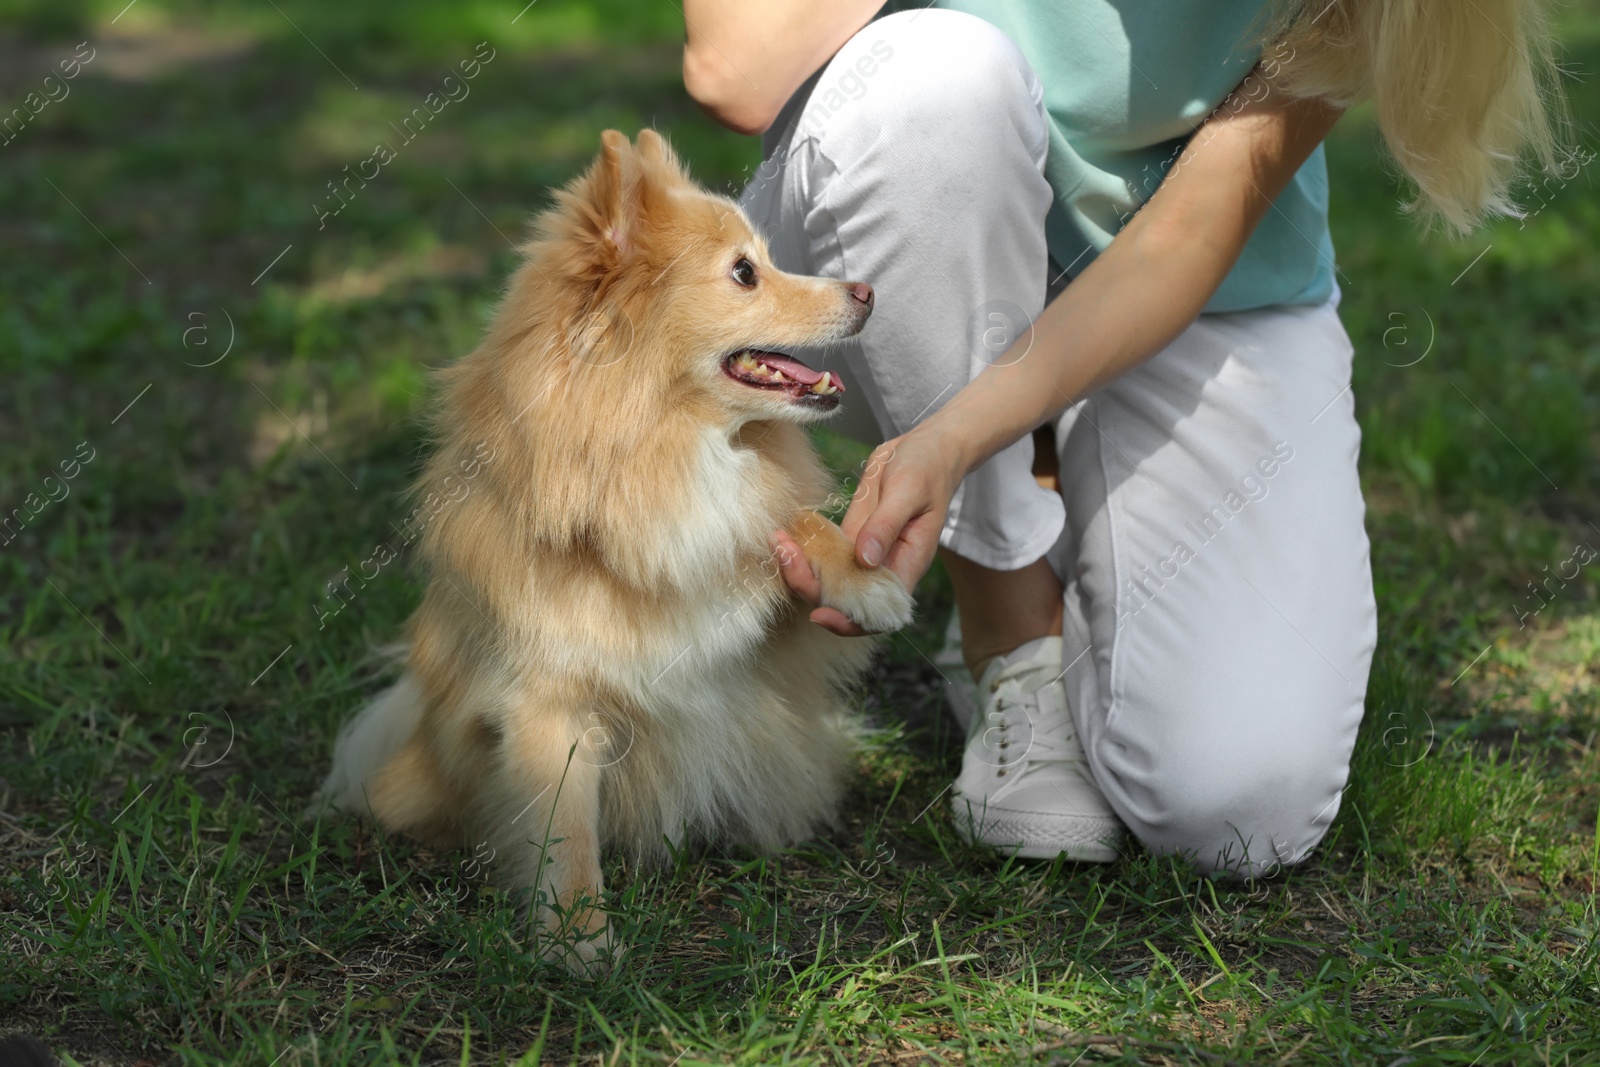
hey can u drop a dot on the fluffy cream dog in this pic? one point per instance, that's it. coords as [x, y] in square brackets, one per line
[606, 655]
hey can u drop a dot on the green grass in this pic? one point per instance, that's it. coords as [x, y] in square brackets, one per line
[168, 696]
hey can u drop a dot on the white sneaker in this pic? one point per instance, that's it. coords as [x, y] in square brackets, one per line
[1025, 786]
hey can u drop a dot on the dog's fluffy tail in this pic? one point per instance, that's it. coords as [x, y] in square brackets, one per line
[368, 742]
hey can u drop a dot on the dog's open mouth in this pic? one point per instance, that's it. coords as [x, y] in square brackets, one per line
[772, 370]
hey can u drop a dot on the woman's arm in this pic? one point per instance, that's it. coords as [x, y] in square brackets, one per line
[1151, 282]
[1136, 297]
[742, 59]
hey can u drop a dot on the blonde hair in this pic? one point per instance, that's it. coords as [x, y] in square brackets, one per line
[1466, 91]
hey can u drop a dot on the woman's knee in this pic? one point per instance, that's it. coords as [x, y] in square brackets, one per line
[946, 74]
[1230, 807]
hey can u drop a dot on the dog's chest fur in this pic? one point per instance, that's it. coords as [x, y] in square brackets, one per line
[729, 593]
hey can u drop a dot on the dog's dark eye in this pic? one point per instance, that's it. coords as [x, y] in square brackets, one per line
[744, 272]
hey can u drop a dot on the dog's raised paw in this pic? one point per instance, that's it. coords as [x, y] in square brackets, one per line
[874, 600]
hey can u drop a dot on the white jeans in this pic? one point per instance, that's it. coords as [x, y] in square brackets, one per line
[1219, 616]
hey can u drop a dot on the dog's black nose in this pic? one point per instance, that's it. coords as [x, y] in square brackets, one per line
[863, 292]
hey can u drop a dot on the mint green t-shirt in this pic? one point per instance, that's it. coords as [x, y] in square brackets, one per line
[1126, 82]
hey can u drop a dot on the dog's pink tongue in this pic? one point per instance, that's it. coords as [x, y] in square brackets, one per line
[794, 369]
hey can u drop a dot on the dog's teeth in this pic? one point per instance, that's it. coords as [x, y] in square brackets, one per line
[777, 376]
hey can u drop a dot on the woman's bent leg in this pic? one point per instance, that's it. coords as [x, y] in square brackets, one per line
[1219, 615]
[914, 162]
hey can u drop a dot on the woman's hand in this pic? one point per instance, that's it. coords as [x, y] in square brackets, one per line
[895, 517]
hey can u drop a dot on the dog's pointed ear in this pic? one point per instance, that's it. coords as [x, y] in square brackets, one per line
[615, 190]
[612, 204]
[654, 149]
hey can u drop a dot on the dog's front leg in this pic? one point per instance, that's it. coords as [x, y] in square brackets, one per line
[872, 597]
[545, 833]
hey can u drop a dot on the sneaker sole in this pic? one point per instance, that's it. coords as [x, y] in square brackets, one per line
[1042, 837]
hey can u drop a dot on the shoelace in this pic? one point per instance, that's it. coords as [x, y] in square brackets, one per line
[1051, 737]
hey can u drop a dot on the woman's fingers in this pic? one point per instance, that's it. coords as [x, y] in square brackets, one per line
[800, 577]
[865, 498]
[900, 506]
[910, 556]
[796, 569]
[837, 621]
[895, 518]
